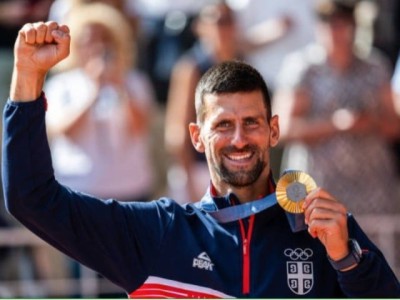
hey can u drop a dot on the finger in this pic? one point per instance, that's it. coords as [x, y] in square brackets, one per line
[322, 208]
[28, 33]
[326, 210]
[60, 36]
[51, 25]
[320, 193]
[325, 203]
[63, 40]
[326, 226]
[318, 206]
[331, 232]
[64, 28]
[320, 213]
[41, 30]
[312, 231]
[322, 227]
[317, 193]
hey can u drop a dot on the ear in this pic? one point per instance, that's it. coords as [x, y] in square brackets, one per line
[274, 131]
[194, 130]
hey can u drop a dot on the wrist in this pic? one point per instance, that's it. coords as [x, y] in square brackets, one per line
[26, 85]
[339, 255]
[349, 261]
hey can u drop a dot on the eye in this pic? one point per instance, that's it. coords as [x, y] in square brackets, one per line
[223, 125]
[250, 122]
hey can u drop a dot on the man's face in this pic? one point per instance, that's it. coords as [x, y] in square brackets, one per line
[337, 33]
[217, 28]
[236, 137]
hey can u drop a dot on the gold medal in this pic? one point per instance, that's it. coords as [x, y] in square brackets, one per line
[292, 189]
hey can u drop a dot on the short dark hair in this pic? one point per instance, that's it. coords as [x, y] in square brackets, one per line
[328, 10]
[230, 77]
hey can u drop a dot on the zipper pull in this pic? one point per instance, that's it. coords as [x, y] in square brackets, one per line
[245, 246]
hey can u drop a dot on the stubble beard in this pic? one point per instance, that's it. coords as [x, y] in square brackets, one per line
[240, 178]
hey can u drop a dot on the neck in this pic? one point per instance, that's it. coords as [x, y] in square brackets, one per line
[340, 60]
[224, 54]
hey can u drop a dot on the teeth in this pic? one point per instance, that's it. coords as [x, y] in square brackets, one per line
[239, 157]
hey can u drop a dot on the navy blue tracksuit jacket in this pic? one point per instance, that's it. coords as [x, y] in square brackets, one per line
[162, 249]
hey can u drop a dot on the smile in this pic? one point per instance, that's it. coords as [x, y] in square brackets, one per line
[239, 157]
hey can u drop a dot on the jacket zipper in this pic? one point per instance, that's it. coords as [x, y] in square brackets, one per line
[246, 239]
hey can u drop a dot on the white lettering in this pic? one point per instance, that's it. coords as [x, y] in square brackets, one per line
[203, 264]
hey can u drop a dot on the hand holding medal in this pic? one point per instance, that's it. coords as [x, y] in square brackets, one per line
[329, 223]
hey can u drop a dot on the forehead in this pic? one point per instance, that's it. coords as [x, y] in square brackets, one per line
[242, 104]
[94, 32]
[214, 13]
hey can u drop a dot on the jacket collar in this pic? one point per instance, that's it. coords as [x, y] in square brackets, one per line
[211, 202]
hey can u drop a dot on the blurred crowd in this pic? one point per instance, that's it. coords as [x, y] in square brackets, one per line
[119, 106]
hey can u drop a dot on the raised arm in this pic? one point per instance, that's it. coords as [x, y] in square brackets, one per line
[115, 239]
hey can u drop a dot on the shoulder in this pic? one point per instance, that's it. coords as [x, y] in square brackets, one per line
[375, 63]
[192, 62]
[163, 205]
[179, 211]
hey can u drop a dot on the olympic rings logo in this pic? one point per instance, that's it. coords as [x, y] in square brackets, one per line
[296, 254]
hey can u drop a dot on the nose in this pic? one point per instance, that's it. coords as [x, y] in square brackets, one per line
[239, 139]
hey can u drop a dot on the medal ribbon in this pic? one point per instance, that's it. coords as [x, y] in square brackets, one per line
[303, 183]
[241, 211]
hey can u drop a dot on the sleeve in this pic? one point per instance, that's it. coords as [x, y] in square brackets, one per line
[373, 277]
[118, 240]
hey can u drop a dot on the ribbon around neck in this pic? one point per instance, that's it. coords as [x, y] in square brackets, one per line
[241, 211]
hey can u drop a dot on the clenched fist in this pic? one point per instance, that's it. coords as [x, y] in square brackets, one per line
[39, 46]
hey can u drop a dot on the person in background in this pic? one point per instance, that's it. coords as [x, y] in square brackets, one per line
[99, 110]
[60, 9]
[218, 40]
[338, 106]
[251, 16]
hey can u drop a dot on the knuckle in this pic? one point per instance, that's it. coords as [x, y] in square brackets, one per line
[313, 224]
[53, 25]
[65, 28]
[41, 27]
[316, 203]
[27, 28]
[318, 190]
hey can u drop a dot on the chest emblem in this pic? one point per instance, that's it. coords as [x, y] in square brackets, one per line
[203, 262]
[299, 270]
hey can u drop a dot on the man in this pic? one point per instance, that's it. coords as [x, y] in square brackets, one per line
[161, 249]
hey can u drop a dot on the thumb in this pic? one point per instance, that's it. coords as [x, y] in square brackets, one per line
[62, 39]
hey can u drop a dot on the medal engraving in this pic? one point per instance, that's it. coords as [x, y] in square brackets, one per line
[292, 189]
[296, 191]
